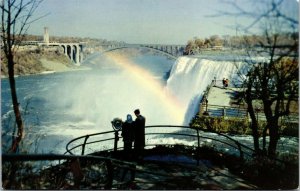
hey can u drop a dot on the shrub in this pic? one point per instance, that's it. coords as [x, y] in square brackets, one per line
[239, 126]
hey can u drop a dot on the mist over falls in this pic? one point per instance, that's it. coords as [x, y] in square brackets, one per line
[119, 84]
[115, 88]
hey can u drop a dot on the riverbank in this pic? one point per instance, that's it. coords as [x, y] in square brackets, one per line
[33, 63]
[53, 67]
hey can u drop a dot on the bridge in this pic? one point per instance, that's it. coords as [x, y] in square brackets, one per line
[172, 51]
[74, 51]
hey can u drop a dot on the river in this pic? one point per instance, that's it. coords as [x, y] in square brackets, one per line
[61, 106]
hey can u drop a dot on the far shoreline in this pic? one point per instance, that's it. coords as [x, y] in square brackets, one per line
[48, 72]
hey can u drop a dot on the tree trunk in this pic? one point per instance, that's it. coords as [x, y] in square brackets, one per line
[274, 136]
[254, 125]
[18, 117]
[272, 125]
[264, 137]
[254, 128]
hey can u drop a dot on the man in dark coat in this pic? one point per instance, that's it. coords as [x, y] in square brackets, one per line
[139, 131]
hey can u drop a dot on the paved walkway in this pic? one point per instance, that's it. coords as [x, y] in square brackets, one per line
[220, 96]
[157, 175]
[221, 102]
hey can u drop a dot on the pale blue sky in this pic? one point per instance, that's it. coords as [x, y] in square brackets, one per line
[136, 21]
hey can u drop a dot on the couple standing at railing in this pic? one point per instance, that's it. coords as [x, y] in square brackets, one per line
[134, 132]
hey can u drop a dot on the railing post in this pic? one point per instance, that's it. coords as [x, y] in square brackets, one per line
[198, 147]
[224, 111]
[110, 175]
[116, 140]
[241, 152]
[83, 145]
[198, 137]
[77, 172]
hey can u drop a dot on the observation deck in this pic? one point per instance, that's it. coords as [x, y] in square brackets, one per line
[175, 157]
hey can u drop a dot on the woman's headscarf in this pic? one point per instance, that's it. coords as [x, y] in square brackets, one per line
[129, 119]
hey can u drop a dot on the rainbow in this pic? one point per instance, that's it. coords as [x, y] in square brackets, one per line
[146, 79]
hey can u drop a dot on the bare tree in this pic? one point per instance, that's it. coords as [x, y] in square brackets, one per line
[273, 80]
[15, 20]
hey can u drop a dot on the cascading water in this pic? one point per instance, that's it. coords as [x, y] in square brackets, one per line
[190, 77]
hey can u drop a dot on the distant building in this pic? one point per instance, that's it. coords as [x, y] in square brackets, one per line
[46, 35]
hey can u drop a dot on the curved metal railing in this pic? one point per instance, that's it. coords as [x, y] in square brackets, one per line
[157, 138]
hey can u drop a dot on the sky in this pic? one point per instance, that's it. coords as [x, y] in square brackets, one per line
[139, 21]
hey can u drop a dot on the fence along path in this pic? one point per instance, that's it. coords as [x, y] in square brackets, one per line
[221, 104]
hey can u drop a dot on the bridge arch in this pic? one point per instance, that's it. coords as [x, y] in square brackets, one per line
[70, 51]
[73, 52]
[164, 50]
